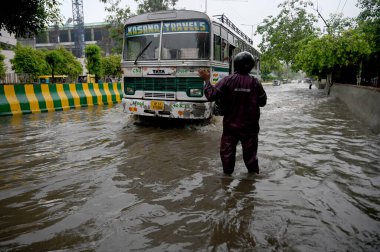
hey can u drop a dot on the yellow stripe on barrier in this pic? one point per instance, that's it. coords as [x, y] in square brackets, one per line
[10, 94]
[88, 94]
[32, 98]
[75, 95]
[116, 92]
[98, 94]
[62, 95]
[108, 93]
[48, 99]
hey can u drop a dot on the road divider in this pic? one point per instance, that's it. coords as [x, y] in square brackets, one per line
[35, 98]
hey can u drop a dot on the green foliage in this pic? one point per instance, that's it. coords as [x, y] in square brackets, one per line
[337, 24]
[268, 65]
[43, 62]
[370, 10]
[321, 55]
[112, 65]
[29, 60]
[27, 18]
[53, 58]
[117, 17]
[119, 13]
[369, 20]
[69, 65]
[281, 34]
[93, 60]
[154, 5]
[3, 67]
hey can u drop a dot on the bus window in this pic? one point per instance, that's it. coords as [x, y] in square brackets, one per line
[231, 39]
[216, 29]
[217, 47]
[223, 33]
[225, 54]
[142, 36]
[185, 40]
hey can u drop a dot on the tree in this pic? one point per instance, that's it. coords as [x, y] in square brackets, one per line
[269, 65]
[27, 18]
[3, 67]
[69, 65]
[93, 61]
[29, 60]
[111, 66]
[154, 5]
[117, 17]
[369, 23]
[53, 58]
[322, 56]
[281, 34]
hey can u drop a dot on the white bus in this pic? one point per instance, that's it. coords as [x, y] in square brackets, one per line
[162, 53]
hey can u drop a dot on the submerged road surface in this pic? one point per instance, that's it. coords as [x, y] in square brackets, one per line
[95, 179]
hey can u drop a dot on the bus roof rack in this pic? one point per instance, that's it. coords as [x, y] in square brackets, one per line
[228, 22]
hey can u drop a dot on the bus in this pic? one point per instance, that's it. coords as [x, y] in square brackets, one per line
[162, 52]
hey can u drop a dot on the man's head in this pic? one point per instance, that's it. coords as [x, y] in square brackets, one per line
[243, 62]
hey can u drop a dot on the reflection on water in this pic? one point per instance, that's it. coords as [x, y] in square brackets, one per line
[96, 179]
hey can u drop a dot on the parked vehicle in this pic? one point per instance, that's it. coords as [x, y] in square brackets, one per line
[89, 78]
[276, 83]
[48, 79]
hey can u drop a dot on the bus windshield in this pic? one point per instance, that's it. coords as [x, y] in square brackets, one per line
[140, 36]
[189, 39]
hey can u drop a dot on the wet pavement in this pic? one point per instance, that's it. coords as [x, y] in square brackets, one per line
[96, 179]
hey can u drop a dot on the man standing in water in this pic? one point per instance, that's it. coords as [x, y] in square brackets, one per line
[240, 96]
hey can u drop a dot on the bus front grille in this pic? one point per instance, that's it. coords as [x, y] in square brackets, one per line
[162, 85]
[156, 95]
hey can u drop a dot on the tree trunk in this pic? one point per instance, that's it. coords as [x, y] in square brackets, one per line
[329, 82]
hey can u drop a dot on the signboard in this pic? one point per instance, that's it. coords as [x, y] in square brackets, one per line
[143, 29]
[185, 26]
[168, 27]
[159, 71]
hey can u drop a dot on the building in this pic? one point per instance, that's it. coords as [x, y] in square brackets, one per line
[7, 43]
[94, 33]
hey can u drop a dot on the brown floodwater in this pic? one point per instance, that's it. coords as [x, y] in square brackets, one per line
[96, 179]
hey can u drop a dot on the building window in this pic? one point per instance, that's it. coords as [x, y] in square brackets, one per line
[53, 36]
[41, 38]
[97, 34]
[87, 34]
[73, 35]
[63, 36]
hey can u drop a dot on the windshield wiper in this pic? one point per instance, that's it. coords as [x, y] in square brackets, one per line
[142, 51]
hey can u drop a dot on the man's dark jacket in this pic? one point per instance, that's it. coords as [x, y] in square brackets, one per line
[240, 97]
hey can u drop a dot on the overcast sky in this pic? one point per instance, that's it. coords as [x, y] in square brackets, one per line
[248, 12]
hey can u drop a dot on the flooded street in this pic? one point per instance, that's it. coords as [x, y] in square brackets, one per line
[95, 179]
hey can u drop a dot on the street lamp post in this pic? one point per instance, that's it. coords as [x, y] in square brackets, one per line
[251, 29]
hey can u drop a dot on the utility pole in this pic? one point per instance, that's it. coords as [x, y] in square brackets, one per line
[251, 29]
[78, 21]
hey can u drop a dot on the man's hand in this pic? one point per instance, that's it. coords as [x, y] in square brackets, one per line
[204, 74]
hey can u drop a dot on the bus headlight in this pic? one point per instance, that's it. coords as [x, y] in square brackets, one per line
[130, 91]
[196, 92]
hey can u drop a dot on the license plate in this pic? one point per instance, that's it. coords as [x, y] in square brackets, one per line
[156, 105]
